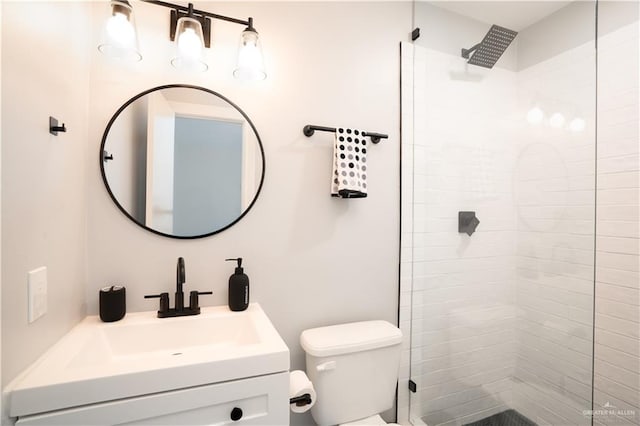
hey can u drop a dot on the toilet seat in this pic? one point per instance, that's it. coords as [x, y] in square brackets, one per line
[370, 421]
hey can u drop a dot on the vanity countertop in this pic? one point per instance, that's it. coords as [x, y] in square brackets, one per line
[142, 354]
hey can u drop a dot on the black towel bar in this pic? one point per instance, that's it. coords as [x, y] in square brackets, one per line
[309, 130]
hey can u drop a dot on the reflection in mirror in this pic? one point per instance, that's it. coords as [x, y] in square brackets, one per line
[182, 161]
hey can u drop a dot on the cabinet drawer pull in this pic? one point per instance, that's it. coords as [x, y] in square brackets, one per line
[236, 414]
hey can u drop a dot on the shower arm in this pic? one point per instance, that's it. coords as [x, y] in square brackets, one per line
[467, 52]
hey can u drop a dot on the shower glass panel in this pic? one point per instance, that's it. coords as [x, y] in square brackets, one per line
[501, 317]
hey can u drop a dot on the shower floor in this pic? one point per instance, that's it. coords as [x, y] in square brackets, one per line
[505, 418]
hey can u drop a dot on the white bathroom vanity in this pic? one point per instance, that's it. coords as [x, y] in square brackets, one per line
[216, 368]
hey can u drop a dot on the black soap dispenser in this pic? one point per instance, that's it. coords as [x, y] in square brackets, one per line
[238, 288]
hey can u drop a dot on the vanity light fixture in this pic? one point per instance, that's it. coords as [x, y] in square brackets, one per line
[190, 29]
[119, 37]
[190, 41]
[250, 65]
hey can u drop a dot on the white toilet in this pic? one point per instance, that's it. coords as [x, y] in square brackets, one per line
[354, 370]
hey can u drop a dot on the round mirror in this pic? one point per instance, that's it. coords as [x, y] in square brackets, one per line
[182, 161]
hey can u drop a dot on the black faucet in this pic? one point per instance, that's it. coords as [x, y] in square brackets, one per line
[180, 278]
[179, 310]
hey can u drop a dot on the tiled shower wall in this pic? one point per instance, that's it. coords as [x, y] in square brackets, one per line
[461, 159]
[555, 177]
[554, 185]
[549, 242]
[617, 357]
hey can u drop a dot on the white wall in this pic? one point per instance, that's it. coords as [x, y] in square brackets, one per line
[43, 176]
[312, 259]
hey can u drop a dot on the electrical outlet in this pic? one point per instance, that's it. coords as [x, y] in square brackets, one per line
[37, 293]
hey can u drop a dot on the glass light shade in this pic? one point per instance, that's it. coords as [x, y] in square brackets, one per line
[190, 45]
[119, 37]
[250, 65]
[535, 115]
[577, 125]
[556, 120]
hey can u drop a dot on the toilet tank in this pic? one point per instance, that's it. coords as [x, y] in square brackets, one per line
[353, 368]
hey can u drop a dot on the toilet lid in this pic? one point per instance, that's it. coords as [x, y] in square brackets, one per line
[350, 337]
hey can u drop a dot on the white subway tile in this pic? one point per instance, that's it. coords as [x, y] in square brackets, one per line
[619, 180]
[618, 277]
[618, 325]
[617, 357]
[614, 115]
[618, 374]
[619, 163]
[615, 146]
[624, 393]
[618, 245]
[626, 295]
[627, 262]
[620, 310]
[601, 398]
[617, 341]
[619, 212]
[627, 229]
[489, 402]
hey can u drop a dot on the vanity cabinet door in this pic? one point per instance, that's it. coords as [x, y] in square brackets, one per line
[257, 401]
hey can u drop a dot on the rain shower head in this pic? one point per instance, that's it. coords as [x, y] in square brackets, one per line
[490, 49]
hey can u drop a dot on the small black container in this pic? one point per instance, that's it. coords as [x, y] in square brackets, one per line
[112, 303]
[238, 288]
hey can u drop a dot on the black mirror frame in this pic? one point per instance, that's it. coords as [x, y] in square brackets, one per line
[184, 86]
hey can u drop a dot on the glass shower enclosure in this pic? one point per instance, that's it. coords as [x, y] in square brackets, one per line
[498, 212]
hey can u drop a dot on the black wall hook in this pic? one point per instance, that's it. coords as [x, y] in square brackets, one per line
[54, 128]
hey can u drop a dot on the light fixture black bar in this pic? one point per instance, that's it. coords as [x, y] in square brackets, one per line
[248, 22]
[309, 129]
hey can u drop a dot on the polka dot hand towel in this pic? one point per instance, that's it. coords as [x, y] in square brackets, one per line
[349, 164]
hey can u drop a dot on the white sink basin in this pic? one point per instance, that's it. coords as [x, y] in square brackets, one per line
[142, 354]
[146, 336]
